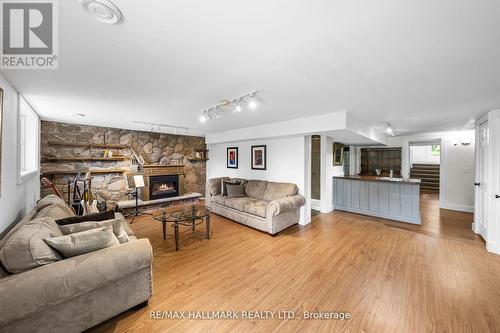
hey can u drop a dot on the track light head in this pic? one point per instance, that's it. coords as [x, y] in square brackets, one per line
[252, 105]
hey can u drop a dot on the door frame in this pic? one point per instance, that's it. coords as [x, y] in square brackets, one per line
[442, 160]
[493, 222]
[476, 226]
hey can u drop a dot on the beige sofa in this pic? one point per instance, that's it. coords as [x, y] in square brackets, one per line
[267, 206]
[73, 294]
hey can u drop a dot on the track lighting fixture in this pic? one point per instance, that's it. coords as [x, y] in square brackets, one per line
[155, 127]
[217, 111]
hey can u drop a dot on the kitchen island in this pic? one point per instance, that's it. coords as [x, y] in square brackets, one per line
[390, 198]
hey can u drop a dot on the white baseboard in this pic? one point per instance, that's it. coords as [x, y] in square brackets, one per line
[460, 208]
[493, 247]
[327, 209]
[315, 204]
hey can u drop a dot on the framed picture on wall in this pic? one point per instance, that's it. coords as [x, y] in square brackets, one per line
[338, 154]
[259, 157]
[232, 157]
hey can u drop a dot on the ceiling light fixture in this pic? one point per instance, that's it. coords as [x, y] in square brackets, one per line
[81, 115]
[103, 11]
[160, 127]
[217, 111]
[390, 130]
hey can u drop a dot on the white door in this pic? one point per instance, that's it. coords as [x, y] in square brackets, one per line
[482, 180]
[494, 193]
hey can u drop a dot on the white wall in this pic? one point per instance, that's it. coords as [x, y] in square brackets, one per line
[327, 173]
[15, 199]
[423, 155]
[457, 166]
[285, 163]
[459, 176]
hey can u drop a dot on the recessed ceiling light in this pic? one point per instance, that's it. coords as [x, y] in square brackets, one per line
[103, 11]
[252, 105]
[237, 109]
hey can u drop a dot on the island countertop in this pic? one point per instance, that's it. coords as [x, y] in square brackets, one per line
[381, 179]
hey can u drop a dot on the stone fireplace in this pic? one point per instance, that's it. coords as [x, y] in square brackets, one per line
[162, 181]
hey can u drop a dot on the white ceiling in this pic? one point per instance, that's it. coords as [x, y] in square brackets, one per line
[423, 65]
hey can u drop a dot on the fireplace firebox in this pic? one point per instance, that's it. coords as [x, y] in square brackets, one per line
[163, 186]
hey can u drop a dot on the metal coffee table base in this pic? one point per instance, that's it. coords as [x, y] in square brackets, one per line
[193, 226]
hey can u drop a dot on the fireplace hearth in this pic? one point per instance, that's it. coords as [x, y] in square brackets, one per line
[163, 186]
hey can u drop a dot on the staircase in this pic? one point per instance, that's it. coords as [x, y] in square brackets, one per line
[429, 174]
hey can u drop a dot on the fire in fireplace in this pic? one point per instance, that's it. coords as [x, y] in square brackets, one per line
[163, 186]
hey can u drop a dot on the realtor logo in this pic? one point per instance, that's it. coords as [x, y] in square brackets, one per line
[29, 39]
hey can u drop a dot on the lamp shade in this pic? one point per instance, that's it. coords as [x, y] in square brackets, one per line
[139, 181]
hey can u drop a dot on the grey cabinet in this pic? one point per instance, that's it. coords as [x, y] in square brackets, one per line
[392, 200]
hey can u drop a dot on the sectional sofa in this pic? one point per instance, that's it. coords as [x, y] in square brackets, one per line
[72, 294]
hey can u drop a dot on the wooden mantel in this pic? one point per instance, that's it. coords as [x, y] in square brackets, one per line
[162, 170]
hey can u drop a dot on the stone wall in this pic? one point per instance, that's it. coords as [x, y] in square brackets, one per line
[155, 148]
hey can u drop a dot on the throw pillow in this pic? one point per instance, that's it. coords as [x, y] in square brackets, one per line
[26, 249]
[235, 191]
[102, 216]
[82, 226]
[224, 185]
[83, 242]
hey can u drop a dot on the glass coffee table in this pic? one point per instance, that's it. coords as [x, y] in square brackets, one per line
[185, 215]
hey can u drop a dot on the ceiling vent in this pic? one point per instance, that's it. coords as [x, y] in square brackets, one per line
[103, 11]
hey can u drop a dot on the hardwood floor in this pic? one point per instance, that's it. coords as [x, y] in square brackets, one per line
[436, 222]
[390, 277]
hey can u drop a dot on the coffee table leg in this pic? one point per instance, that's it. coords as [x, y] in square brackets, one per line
[176, 231]
[207, 222]
[164, 224]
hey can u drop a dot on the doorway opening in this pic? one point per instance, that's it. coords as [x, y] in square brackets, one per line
[425, 164]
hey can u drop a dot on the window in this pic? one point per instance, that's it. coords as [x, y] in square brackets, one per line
[28, 138]
[435, 150]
